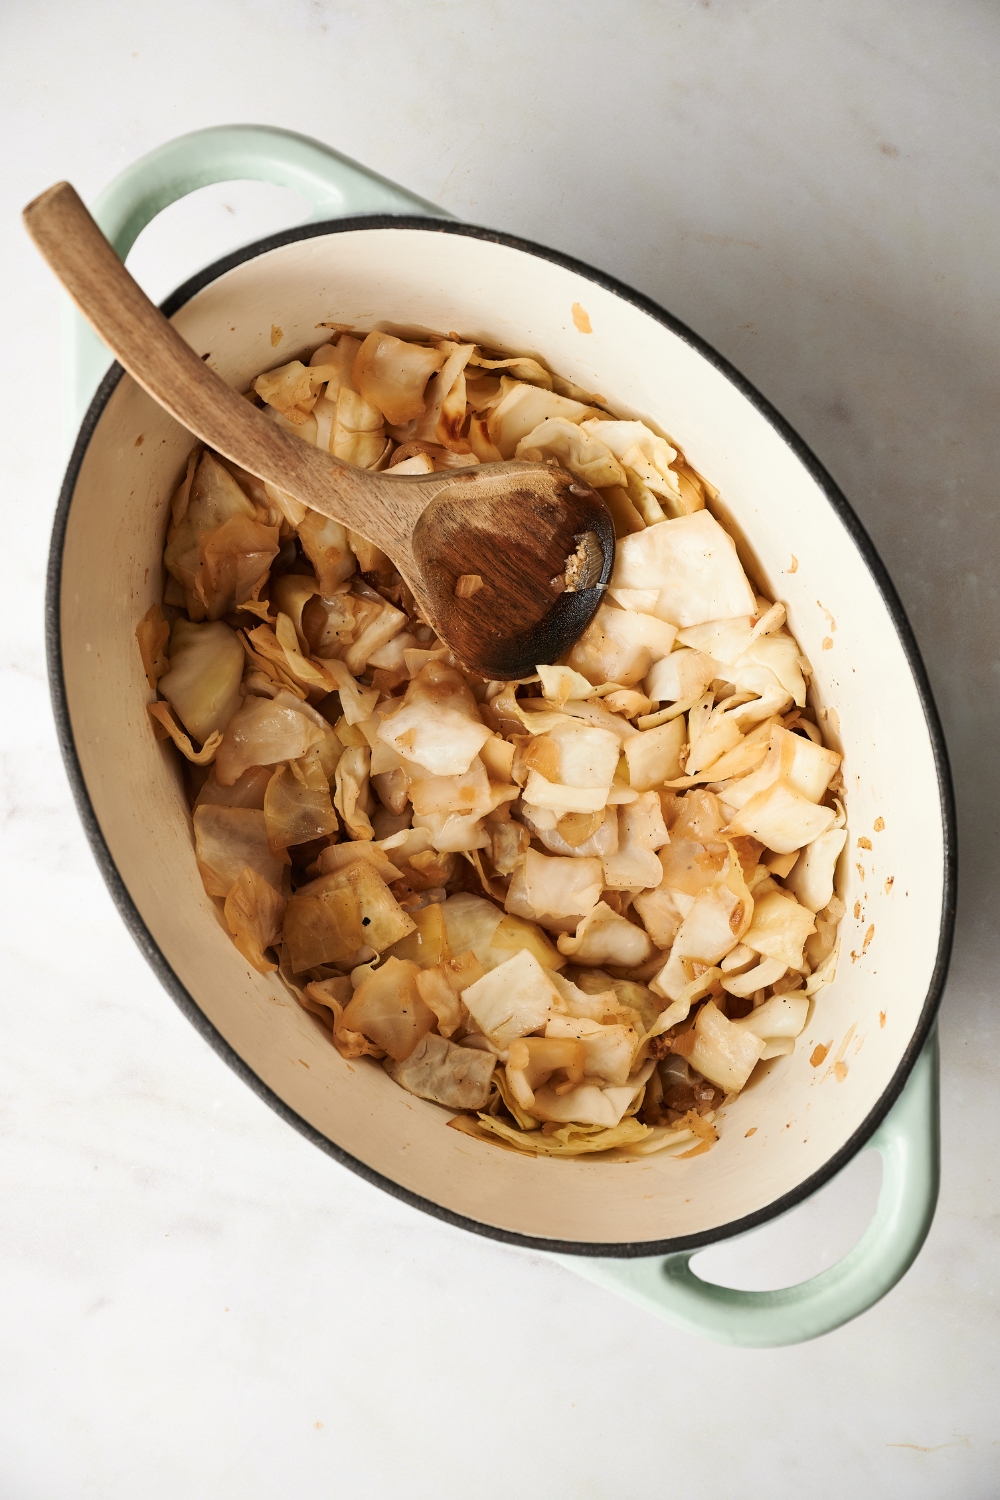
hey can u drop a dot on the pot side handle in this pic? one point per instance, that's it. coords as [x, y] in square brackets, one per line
[909, 1144]
[334, 185]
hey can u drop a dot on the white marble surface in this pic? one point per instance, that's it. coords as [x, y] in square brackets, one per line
[192, 1299]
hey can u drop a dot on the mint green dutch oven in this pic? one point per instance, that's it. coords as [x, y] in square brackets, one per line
[373, 252]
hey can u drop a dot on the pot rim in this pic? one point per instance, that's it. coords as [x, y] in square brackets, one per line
[183, 998]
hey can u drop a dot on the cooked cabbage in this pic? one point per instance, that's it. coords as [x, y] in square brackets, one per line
[297, 806]
[619, 646]
[724, 1052]
[203, 683]
[575, 449]
[424, 856]
[392, 375]
[254, 911]
[653, 756]
[513, 999]
[387, 1009]
[779, 928]
[226, 841]
[811, 878]
[693, 564]
[445, 1072]
[261, 733]
[683, 675]
[641, 831]
[604, 937]
[437, 725]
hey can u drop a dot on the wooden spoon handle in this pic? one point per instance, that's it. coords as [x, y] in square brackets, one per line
[156, 356]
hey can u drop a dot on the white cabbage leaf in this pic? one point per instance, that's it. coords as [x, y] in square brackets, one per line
[512, 999]
[693, 563]
[203, 681]
[552, 887]
[229, 839]
[641, 831]
[607, 1050]
[781, 1016]
[437, 724]
[724, 1052]
[641, 450]
[680, 677]
[620, 645]
[263, 732]
[445, 1073]
[392, 375]
[604, 937]
[766, 973]
[653, 755]
[522, 408]
[781, 819]
[575, 449]
[811, 878]
[602, 841]
[660, 914]
[588, 1104]
[779, 928]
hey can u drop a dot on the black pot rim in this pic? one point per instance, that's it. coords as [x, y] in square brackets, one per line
[158, 962]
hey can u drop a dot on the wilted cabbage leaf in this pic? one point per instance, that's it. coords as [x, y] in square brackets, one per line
[203, 681]
[254, 912]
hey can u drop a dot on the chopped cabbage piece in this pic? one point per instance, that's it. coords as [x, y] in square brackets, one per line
[392, 375]
[660, 914]
[578, 450]
[682, 676]
[641, 450]
[261, 733]
[779, 928]
[588, 1104]
[153, 633]
[226, 841]
[781, 819]
[203, 683]
[641, 831]
[811, 879]
[653, 756]
[571, 1140]
[619, 645]
[387, 1008]
[440, 987]
[604, 937]
[513, 999]
[551, 886]
[297, 804]
[781, 1016]
[445, 1073]
[325, 543]
[758, 978]
[522, 408]
[607, 1050]
[693, 563]
[254, 911]
[724, 1052]
[437, 724]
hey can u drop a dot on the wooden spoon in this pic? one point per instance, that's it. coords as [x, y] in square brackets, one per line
[540, 539]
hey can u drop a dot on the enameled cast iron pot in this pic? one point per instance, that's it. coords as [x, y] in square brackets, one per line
[632, 1226]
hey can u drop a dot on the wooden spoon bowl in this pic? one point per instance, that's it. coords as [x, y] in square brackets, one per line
[541, 540]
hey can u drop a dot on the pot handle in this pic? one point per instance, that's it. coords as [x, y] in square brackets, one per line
[909, 1144]
[333, 184]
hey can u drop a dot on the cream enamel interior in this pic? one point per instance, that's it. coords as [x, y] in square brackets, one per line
[270, 309]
